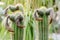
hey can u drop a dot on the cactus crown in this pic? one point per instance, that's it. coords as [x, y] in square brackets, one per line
[43, 11]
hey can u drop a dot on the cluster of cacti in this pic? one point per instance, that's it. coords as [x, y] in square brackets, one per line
[41, 15]
[17, 22]
[18, 27]
[26, 24]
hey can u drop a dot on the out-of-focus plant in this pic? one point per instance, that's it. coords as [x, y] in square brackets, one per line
[29, 31]
[17, 21]
[41, 15]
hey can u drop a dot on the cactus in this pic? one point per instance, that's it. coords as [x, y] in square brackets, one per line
[43, 24]
[18, 26]
[17, 22]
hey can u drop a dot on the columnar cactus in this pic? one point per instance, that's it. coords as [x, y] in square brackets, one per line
[17, 22]
[18, 30]
[41, 15]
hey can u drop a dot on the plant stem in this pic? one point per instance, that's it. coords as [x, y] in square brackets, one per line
[43, 28]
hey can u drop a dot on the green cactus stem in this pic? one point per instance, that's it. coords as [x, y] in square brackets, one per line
[18, 30]
[43, 24]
